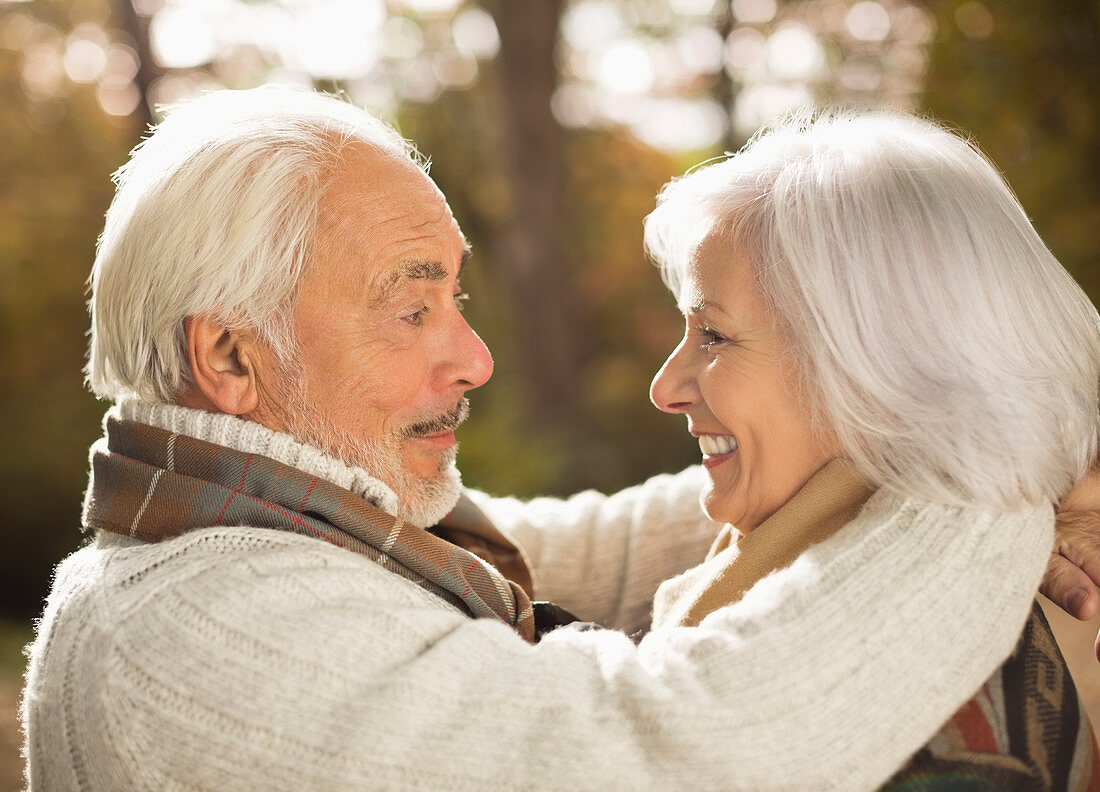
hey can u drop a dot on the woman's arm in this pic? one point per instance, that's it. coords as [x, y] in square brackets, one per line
[603, 556]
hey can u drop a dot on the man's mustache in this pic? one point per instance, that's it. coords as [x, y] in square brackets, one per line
[441, 423]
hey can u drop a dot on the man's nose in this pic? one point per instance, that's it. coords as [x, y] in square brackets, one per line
[673, 389]
[472, 363]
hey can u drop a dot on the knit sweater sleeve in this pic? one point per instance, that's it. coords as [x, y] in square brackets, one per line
[603, 556]
[235, 661]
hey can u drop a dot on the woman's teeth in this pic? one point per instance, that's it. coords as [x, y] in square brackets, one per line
[717, 445]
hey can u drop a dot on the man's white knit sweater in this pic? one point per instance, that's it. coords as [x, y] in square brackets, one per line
[250, 659]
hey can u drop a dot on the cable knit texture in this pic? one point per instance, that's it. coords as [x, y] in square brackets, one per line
[245, 659]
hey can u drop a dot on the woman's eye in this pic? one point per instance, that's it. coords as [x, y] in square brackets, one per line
[460, 300]
[711, 338]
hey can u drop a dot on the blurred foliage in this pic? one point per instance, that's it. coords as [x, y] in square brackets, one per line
[55, 162]
[1028, 92]
[14, 636]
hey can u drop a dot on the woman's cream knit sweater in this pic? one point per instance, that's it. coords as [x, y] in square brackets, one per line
[247, 659]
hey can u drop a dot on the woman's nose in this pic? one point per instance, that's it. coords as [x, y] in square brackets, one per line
[673, 388]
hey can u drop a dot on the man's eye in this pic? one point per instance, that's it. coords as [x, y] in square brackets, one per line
[460, 300]
[416, 318]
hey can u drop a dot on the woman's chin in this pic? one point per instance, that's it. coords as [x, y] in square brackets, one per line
[716, 504]
[726, 507]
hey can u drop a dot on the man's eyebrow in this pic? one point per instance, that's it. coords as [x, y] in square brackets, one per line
[414, 269]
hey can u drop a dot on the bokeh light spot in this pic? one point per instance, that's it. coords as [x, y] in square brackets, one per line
[401, 38]
[84, 60]
[793, 53]
[754, 12]
[454, 70]
[574, 106]
[591, 24]
[681, 124]
[431, 7]
[181, 38]
[974, 20]
[43, 72]
[746, 51]
[475, 34]
[118, 100]
[868, 21]
[760, 104]
[692, 7]
[701, 50]
[626, 68]
[14, 29]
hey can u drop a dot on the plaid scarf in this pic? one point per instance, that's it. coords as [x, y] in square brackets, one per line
[154, 485]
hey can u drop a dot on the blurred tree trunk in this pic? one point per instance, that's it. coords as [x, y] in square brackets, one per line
[138, 28]
[529, 245]
[725, 87]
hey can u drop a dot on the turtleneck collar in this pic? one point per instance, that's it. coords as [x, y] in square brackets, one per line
[253, 438]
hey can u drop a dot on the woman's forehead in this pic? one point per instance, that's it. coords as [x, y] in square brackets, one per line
[719, 275]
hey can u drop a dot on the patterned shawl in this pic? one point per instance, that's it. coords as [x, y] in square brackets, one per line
[1024, 730]
[154, 485]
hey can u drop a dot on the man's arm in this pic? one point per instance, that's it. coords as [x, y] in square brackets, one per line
[603, 556]
[1074, 569]
[292, 664]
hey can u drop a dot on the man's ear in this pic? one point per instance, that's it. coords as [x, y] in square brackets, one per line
[222, 367]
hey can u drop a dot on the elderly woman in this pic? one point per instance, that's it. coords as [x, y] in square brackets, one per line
[879, 351]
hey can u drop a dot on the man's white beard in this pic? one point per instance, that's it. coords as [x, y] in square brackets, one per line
[422, 502]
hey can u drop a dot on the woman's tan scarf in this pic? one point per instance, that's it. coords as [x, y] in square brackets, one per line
[826, 503]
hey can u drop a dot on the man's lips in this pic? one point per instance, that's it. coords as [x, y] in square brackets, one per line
[442, 440]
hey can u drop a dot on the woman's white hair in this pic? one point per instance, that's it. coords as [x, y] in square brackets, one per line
[936, 337]
[214, 216]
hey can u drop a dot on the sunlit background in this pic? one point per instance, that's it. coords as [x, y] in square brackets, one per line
[682, 75]
[551, 124]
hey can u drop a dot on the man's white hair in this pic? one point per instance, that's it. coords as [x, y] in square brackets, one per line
[215, 215]
[935, 335]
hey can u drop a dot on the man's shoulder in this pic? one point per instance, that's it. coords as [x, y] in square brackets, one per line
[210, 592]
[226, 625]
[242, 569]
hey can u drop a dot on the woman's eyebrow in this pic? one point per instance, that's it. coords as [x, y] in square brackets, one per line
[693, 303]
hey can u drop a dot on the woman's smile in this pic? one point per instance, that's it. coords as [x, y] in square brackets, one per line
[716, 448]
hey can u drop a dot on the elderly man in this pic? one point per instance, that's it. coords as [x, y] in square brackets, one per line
[277, 313]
